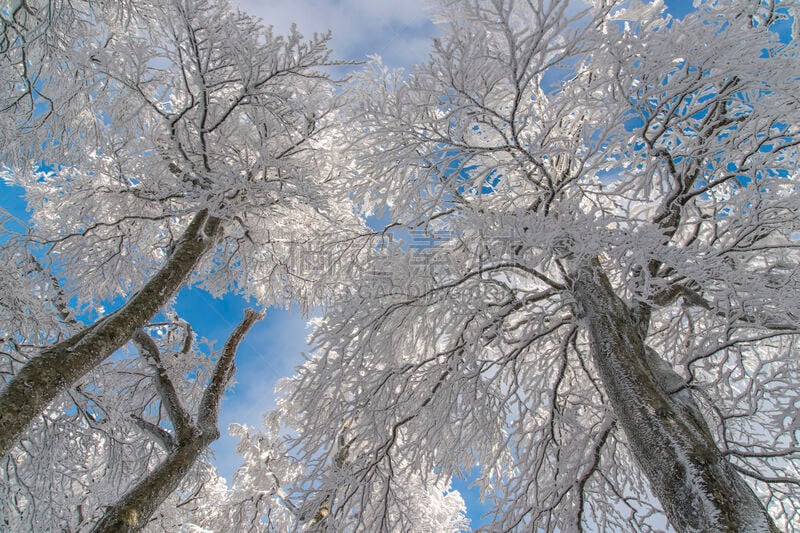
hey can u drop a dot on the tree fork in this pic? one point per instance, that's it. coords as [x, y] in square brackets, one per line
[133, 511]
[697, 486]
[45, 376]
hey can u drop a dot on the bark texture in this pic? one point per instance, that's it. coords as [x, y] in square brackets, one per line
[40, 381]
[134, 510]
[697, 486]
[189, 439]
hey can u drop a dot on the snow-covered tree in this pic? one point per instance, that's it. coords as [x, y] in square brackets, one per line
[589, 287]
[30, 300]
[191, 149]
[159, 144]
[121, 440]
[266, 494]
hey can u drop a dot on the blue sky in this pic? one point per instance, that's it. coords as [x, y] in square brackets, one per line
[399, 31]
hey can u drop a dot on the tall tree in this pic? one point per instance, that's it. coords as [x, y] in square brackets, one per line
[187, 151]
[591, 289]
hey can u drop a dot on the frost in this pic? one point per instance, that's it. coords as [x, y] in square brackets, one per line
[476, 349]
[541, 143]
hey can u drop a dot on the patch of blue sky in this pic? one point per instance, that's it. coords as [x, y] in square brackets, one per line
[13, 207]
[41, 106]
[556, 76]
[679, 8]
[400, 32]
[472, 178]
[476, 508]
[784, 27]
[633, 123]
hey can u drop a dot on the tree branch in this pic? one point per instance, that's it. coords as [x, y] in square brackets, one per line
[208, 411]
[180, 418]
[161, 435]
[45, 376]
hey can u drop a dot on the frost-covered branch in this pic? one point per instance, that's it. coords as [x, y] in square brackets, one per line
[594, 219]
[191, 435]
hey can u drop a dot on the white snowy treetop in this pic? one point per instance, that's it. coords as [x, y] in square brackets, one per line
[182, 107]
[538, 136]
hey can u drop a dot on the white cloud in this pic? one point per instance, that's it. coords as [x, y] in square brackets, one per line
[398, 30]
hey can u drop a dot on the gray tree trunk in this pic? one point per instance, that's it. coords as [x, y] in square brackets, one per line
[697, 486]
[134, 510]
[42, 379]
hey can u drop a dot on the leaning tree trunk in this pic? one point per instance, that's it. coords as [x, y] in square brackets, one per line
[45, 376]
[697, 486]
[134, 510]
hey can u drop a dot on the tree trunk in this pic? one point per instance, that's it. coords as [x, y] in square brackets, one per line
[45, 376]
[698, 488]
[134, 510]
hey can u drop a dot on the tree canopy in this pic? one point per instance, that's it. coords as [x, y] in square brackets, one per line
[591, 292]
[561, 253]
